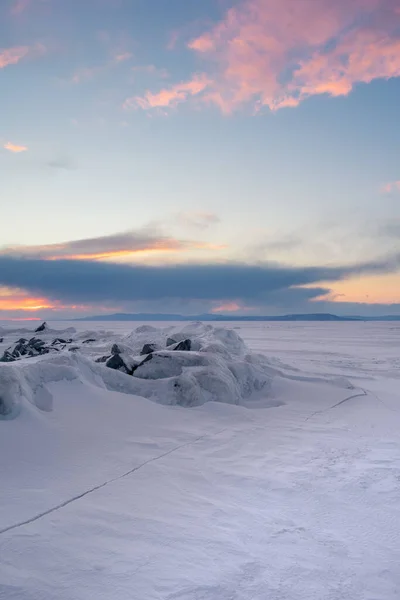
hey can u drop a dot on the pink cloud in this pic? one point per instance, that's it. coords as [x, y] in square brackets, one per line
[389, 188]
[173, 40]
[277, 53]
[227, 307]
[19, 6]
[169, 97]
[123, 56]
[12, 56]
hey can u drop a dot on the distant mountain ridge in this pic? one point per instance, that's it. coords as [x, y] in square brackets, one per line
[211, 317]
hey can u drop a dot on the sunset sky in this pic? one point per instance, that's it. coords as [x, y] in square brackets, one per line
[227, 156]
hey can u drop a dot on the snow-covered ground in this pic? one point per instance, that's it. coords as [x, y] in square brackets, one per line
[290, 493]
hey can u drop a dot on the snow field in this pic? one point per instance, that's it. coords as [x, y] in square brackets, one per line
[291, 495]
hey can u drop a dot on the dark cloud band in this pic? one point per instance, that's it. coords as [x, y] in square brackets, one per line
[86, 281]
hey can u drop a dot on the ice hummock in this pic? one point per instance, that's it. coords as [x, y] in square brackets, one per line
[218, 368]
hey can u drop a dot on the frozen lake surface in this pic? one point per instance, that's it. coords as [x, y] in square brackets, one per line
[293, 495]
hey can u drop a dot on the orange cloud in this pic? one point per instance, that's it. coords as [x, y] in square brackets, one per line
[277, 53]
[393, 186]
[169, 97]
[15, 148]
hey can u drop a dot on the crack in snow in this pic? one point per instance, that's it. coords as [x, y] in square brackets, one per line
[105, 483]
[320, 412]
[159, 457]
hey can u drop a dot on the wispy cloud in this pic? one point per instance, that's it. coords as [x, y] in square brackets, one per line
[332, 241]
[170, 97]
[83, 74]
[12, 56]
[151, 70]
[392, 186]
[277, 53]
[61, 164]
[111, 247]
[198, 220]
[19, 6]
[16, 148]
[123, 57]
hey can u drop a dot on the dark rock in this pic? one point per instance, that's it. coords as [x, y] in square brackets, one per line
[7, 357]
[116, 362]
[38, 345]
[58, 341]
[102, 359]
[20, 349]
[24, 348]
[1, 340]
[36, 342]
[148, 349]
[171, 341]
[115, 349]
[88, 341]
[73, 348]
[185, 346]
[41, 327]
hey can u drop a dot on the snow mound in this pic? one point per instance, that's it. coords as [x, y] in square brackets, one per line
[217, 368]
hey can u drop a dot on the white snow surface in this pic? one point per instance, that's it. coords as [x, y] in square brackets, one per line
[288, 490]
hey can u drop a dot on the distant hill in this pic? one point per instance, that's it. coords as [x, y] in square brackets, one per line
[210, 317]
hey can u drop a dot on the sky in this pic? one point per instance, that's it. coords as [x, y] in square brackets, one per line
[225, 156]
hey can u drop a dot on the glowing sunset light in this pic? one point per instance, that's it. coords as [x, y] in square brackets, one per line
[220, 168]
[24, 319]
[15, 148]
[380, 289]
[29, 304]
[121, 254]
